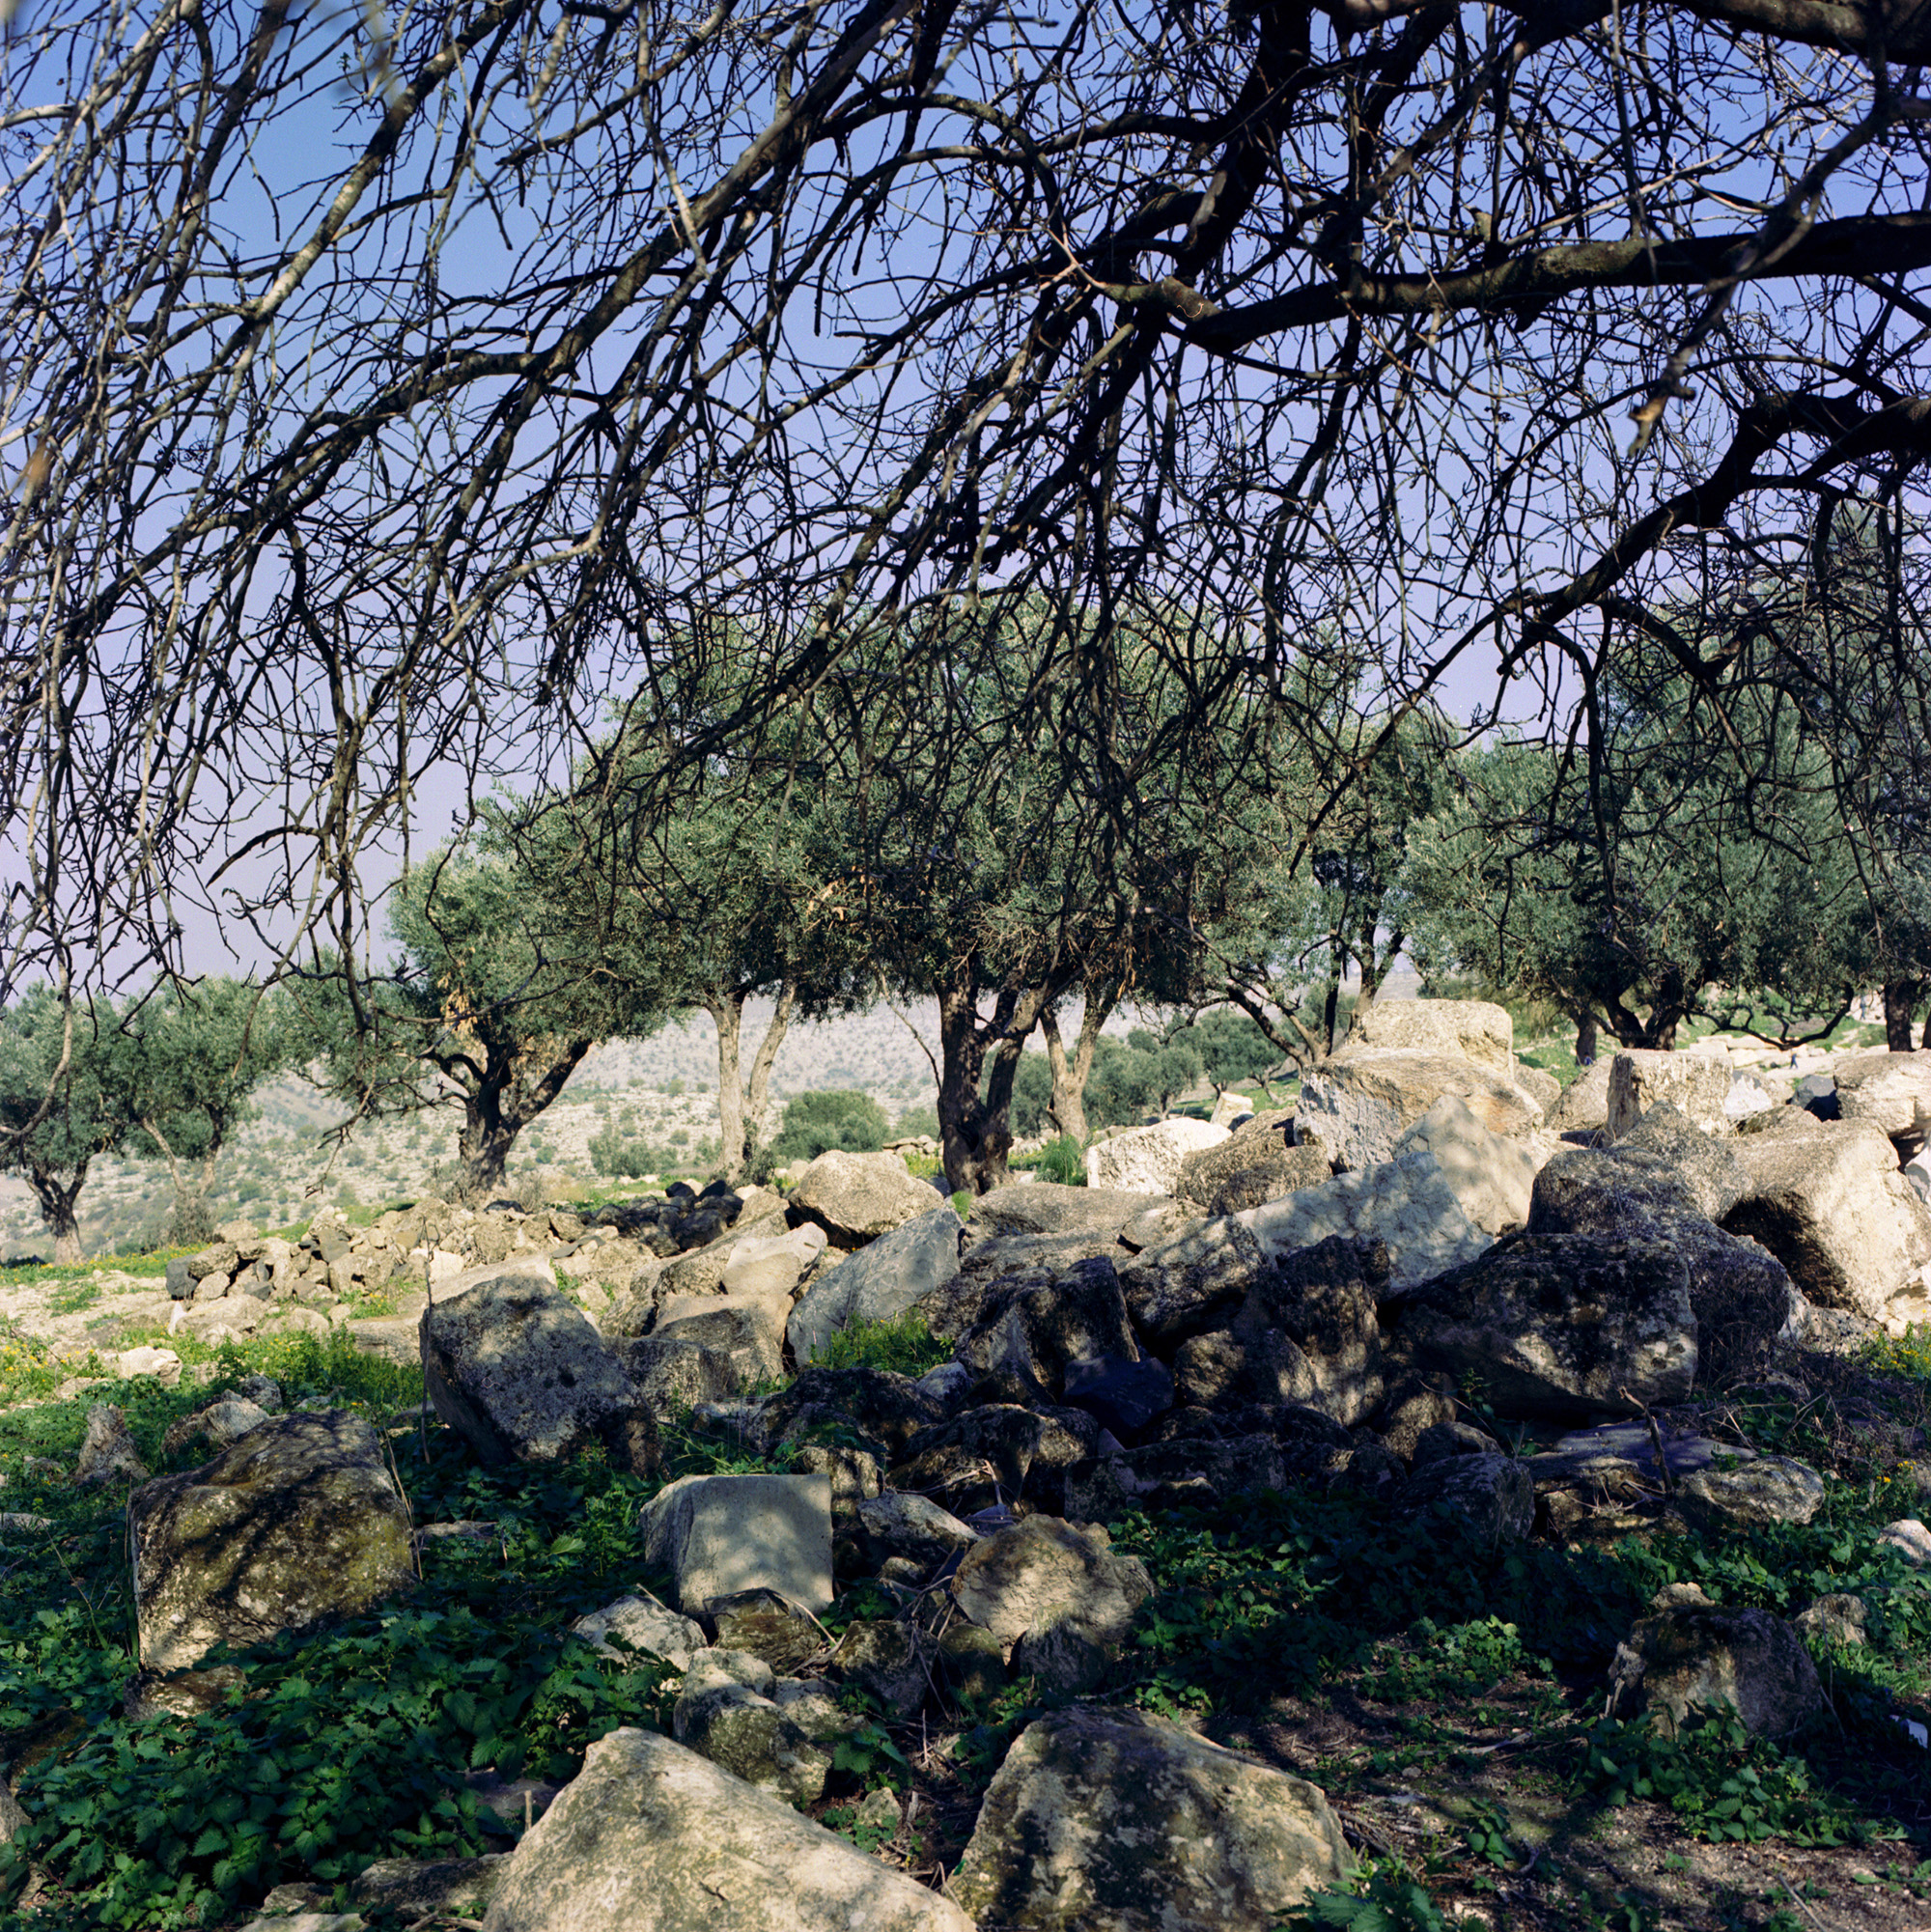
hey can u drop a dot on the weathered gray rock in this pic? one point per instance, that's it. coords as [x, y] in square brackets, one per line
[1414, 1404]
[1890, 1092]
[1827, 1199]
[107, 1451]
[424, 1888]
[1490, 1174]
[1122, 1395]
[224, 1421]
[890, 1663]
[297, 1523]
[729, 1712]
[1111, 1821]
[857, 1198]
[1405, 1203]
[737, 1327]
[653, 1838]
[1543, 1089]
[999, 1451]
[1584, 1106]
[1767, 1488]
[1045, 1575]
[894, 1274]
[671, 1376]
[765, 1268]
[645, 1626]
[1307, 1333]
[1197, 1472]
[1046, 1208]
[1562, 1326]
[1268, 1161]
[896, 1524]
[721, 1534]
[701, 1271]
[515, 1368]
[1358, 1105]
[1907, 1537]
[1493, 1493]
[1698, 1655]
[765, 1625]
[1189, 1284]
[1706, 1162]
[1466, 1029]
[1838, 1618]
[885, 1409]
[1036, 1329]
[1148, 1160]
[1697, 1083]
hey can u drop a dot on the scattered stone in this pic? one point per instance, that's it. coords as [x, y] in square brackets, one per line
[1148, 1160]
[1490, 1174]
[1583, 1110]
[1358, 1105]
[1441, 1439]
[651, 1838]
[1908, 1538]
[1828, 1202]
[425, 1888]
[1111, 1821]
[1888, 1091]
[1561, 1324]
[1195, 1471]
[1121, 1394]
[1837, 1618]
[888, 1663]
[1046, 1208]
[224, 1421]
[1265, 1166]
[1706, 1162]
[1768, 1489]
[297, 1523]
[1466, 1029]
[1697, 1083]
[886, 1410]
[515, 1368]
[1414, 1405]
[1493, 1493]
[731, 1715]
[643, 1624]
[1705, 1656]
[165, 1365]
[736, 1327]
[1045, 1575]
[857, 1198]
[718, 1535]
[765, 1268]
[1405, 1203]
[670, 1375]
[107, 1451]
[895, 1523]
[882, 1280]
[1188, 1284]
[1035, 1329]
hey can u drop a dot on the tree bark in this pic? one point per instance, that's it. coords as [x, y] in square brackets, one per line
[1068, 1106]
[976, 1132]
[757, 1090]
[1585, 1038]
[1900, 1001]
[727, 1010]
[58, 1214]
[516, 1086]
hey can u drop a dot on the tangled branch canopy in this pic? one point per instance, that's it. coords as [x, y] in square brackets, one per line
[384, 391]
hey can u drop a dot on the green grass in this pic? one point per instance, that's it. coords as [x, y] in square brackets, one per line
[904, 1343]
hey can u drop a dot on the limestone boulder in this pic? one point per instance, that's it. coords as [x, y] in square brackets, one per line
[221, 1423]
[1405, 1203]
[884, 1409]
[895, 1523]
[1698, 1085]
[1584, 1106]
[670, 1377]
[738, 1327]
[653, 1837]
[857, 1198]
[297, 1523]
[1148, 1160]
[1890, 1092]
[878, 1282]
[1704, 1161]
[730, 1711]
[1123, 1396]
[1358, 1105]
[1112, 1821]
[1703, 1655]
[1046, 1208]
[1268, 1165]
[1561, 1326]
[638, 1625]
[1764, 1490]
[1543, 1089]
[1045, 1575]
[1308, 1332]
[766, 1268]
[701, 1270]
[1192, 1282]
[1493, 1493]
[1827, 1199]
[718, 1535]
[1492, 1175]
[1466, 1029]
[108, 1450]
[516, 1369]
[1197, 1472]
[1038, 1327]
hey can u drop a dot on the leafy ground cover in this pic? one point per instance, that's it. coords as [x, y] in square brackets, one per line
[1446, 1694]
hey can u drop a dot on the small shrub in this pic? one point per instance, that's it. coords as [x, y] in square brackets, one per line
[824, 1123]
[1062, 1161]
[903, 1343]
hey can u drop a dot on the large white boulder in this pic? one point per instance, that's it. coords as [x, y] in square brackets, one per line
[879, 1281]
[1111, 1821]
[857, 1197]
[1890, 1092]
[1826, 1197]
[1357, 1106]
[1492, 1174]
[1406, 1202]
[718, 1535]
[651, 1838]
[1147, 1160]
[1699, 1083]
[1466, 1029]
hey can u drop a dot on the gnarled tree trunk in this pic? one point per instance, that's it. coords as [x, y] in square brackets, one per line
[1900, 1001]
[1070, 1074]
[976, 1131]
[516, 1084]
[741, 1104]
[57, 1196]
